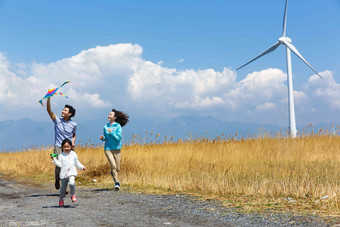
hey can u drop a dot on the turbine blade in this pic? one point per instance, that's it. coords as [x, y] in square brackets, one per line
[284, 20]
[270, 49]
[296, 52]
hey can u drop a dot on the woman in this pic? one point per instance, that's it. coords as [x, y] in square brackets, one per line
[112, 137]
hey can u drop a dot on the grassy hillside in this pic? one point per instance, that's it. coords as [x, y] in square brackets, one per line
[300, 174]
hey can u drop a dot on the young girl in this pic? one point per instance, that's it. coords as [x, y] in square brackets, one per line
[112, 137]
[67, 161]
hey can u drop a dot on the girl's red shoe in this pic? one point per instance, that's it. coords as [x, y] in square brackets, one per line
[74, 198]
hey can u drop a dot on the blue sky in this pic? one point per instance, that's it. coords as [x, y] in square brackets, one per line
[179, 58]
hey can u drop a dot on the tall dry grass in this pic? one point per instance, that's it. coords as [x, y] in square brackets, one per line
[303, 172]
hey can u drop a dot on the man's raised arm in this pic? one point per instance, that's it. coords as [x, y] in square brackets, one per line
[49, 111]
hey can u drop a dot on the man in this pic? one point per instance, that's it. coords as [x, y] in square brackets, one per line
[64, 128]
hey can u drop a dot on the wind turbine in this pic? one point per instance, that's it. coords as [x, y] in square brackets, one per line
[289, 47]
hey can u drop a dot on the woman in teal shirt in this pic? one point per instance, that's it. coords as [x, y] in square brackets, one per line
[112, 136]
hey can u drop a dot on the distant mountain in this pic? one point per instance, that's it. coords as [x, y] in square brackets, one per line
[25, 133]
[196, 126]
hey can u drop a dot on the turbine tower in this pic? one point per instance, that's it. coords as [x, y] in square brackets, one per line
[289, 47]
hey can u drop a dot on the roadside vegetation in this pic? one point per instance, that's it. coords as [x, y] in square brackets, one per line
[267, 173]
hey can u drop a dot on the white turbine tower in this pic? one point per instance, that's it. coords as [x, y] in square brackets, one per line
[289, 47]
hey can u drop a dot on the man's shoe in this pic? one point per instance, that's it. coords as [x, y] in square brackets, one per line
[61, 203]
[74, 198]
[117, 186]
[57, 184]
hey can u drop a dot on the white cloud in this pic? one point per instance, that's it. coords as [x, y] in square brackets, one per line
[266, 83]
[299, 97]
[117, 76]
[325, 90]
[266, 106]
[92, 100]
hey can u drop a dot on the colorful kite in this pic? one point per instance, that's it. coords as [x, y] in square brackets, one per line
[52, 92]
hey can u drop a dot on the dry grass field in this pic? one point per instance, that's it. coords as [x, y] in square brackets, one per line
[262, 174]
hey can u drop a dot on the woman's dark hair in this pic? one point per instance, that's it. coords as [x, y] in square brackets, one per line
[66, 141]
[71, 110]
[121, 118]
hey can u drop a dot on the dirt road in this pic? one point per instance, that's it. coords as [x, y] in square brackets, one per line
[37, 205]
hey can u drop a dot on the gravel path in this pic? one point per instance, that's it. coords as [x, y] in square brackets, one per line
[28, 205]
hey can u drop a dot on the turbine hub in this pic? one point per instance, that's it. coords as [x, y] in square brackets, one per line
[284, 39]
